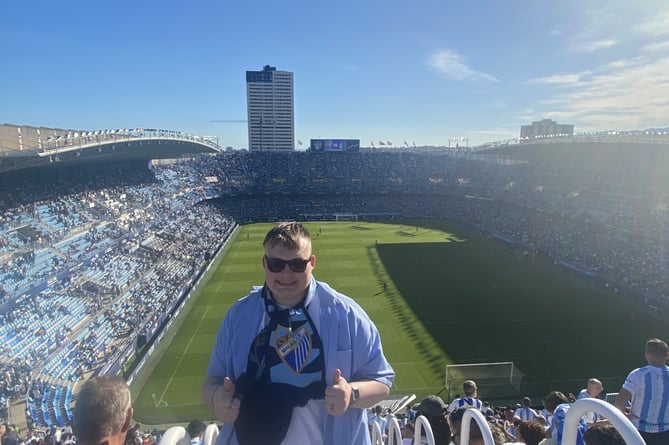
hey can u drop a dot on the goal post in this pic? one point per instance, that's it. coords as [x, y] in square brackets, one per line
[346, 217]
[497, 380]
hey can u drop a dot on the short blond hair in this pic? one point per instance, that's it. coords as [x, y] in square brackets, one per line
[287, 234]
[469, 387]
[657, 348]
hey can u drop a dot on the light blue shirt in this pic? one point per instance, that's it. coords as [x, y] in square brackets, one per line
[382, 421]
[557, 424]
[526, 413]
[351, 343]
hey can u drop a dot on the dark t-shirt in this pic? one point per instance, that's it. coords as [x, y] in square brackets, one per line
[10, 438]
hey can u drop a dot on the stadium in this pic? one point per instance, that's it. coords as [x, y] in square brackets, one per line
[121, 250]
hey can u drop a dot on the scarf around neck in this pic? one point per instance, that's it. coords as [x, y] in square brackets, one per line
[285, 369]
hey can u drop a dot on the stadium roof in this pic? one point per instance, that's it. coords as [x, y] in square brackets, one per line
[26, 147]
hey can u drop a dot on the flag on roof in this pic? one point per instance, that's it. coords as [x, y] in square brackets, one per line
[389, 143]
[381, 143]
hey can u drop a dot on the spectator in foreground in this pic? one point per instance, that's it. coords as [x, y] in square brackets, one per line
[408, 434]
[10, 437]
[603, 435]
[525, 412]
[557, 405]
[530, 432]
[103, 411]
[593, 390]
[196, 430]
[379, 419]
[475, 434]
[298, 349]
[434, 409]
[471, 392]
[510, 419]
[132, 437]
[647, 388]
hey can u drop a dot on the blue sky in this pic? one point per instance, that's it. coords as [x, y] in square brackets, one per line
[424, 71]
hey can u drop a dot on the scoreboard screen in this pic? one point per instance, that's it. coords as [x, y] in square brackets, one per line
[343, 145]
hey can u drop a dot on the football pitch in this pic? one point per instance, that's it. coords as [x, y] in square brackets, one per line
[451, 295]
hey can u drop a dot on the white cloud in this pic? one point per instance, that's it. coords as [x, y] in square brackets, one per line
[452, 65]
[625, 94]
[556, 79]
[655, 25]
[604, 24]
[624, 63]
[625, 89]
[597, 45]
[657, 46]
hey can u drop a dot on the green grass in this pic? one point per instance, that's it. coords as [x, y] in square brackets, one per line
[453, 296]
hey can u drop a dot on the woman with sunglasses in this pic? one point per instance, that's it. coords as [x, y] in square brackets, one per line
[295, 361]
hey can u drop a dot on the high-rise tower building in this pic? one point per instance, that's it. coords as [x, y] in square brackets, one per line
[270, 108]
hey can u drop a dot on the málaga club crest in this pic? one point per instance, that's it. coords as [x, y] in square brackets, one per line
[293, 347]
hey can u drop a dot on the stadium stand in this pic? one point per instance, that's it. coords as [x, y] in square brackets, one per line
[93, 258]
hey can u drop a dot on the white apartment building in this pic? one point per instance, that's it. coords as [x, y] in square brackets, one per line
[270, 109]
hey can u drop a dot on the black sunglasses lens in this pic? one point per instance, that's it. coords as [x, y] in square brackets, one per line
[276, 265]
[298, 265]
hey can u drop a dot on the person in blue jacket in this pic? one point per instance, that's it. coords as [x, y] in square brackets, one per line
[295, 361]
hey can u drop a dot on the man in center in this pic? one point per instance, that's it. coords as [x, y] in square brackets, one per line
[295, 361]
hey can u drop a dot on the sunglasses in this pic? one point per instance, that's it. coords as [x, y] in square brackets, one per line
[277, 265]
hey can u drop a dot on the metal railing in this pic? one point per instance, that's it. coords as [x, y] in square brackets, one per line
[613, 414]
[423, 425]
[482, 423]
[178, 436]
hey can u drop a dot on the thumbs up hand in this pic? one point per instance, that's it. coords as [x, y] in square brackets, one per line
[337, 395]
[225, 404]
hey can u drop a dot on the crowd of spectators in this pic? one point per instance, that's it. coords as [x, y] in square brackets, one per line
[86, 272]
[602, 220]
[508, 425]
[72, 243]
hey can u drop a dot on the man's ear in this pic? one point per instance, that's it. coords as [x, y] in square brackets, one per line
[128, 420]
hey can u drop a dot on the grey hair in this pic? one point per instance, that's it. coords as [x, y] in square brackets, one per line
[101, 408]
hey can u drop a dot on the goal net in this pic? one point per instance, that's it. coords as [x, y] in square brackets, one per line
[346, 217]
[494, 380]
